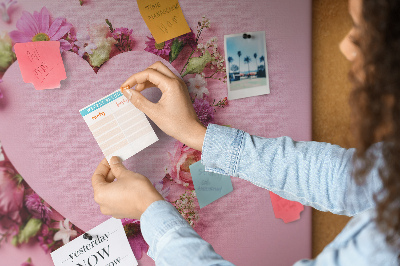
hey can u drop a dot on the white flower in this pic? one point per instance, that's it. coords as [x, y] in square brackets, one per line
[2, 158]
[84, 44]
[197, 86]
[65, 232]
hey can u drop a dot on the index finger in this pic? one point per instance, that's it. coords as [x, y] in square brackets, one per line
[153, 76]
[100, 174]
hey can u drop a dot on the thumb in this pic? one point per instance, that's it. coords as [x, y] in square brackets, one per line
[138, 100]
[117, 167]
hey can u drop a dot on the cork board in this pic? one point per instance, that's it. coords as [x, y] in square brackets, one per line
[330, 98]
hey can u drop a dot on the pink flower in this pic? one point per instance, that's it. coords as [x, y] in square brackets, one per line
[40, 27]
[205, 112]
[189, 39]
[197, 86]
[1, 94]
[160, 49]
[37, 207]
[11, 200]
[180, 161]
[5, 13]
[135, 237]
[124, 38]
[28, 262]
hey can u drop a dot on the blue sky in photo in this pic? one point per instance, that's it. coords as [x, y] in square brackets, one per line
[248, 47]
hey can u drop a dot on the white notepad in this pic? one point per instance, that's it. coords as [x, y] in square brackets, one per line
[118, 126]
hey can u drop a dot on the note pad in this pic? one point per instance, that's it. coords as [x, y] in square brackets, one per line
[118, 126]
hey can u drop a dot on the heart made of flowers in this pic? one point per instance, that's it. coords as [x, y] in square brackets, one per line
[51, 146]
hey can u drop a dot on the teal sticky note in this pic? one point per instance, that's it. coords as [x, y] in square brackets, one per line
[209, 186]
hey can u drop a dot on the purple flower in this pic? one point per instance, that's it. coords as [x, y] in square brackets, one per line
[37, 207]
[204, 111]
[189, 39]
[40, 27]
[135, 237]
[11, 200]
[160, 49]
[124, 38]
[5, 15]
[84, 44]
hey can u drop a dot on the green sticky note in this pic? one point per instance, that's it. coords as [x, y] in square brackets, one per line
[209, 186]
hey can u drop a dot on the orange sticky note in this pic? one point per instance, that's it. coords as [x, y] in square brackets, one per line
[164, 18]
[41, 64]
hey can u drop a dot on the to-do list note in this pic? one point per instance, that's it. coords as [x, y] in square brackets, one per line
[118, 126]
[164, 18]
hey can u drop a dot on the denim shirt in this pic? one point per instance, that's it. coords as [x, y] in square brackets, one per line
[312, 173]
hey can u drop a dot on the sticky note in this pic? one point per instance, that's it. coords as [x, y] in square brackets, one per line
[108, 246]
[41, 64]
[118, 126]
[209, 186]
[164, 18]
[284, 209]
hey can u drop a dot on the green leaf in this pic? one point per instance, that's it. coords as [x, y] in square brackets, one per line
[176, 48]
[30, 230]
[196, 65]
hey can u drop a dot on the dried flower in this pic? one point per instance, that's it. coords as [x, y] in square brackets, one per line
[135, 237]
[2, 157]
[7, 56]
[205, 112]
[39, 27]
[5, 12]
[84, 45]
[30, 230]
[179, 169]
[65, 232]
[197, 86]
[27, 263]
[37, 207]
[197, 64]
[187, 208]
[160, 49]
[100, 35]
[124, 39]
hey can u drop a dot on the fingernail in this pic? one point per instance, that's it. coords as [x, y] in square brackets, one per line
[128, 94]
[115, 160]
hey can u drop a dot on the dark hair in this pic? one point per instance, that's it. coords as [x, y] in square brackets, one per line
[376, 108]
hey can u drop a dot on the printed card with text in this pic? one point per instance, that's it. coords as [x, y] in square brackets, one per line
[108, 246]
[118, 126]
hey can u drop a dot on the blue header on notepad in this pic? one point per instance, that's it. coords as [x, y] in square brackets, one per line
[101, 103]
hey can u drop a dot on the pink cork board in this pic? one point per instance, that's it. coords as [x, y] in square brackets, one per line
[48, 142]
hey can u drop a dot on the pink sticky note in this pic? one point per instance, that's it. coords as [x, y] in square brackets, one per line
[41, 64]
[284, 209]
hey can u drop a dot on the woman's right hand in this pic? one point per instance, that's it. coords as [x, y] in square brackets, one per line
[173, 113]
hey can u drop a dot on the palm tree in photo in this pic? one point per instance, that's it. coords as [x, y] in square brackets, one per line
[247, 60]
[230, 60]
[255, 58]
[239, 55]
[262, 59]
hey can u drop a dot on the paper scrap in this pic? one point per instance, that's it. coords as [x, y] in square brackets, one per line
[41, 64]
[209, 186]
[164, 18]
[108, 246]
[118, 126]
[284, 209]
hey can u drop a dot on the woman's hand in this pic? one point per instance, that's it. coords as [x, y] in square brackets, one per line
[127, 197]
[174, 113]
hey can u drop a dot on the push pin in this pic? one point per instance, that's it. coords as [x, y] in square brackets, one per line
[246, 36]
[87, 236]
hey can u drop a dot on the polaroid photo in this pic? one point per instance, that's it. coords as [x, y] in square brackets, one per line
[246, 64]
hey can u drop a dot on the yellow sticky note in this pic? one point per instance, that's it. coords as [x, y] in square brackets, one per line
[164, 18]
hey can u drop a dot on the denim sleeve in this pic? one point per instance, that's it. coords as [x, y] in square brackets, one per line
[312, 173]
[172, 240]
